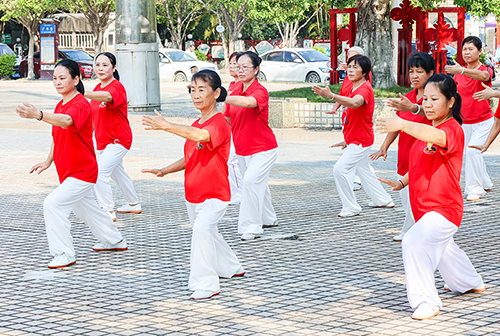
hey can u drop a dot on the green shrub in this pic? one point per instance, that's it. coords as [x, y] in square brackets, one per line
[321, 50]
[200, 56]
[7, 63]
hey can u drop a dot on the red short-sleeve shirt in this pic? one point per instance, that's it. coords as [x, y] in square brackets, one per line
[406, 141]
[110, 119]
[250, 125]
[206, 174]
[358, 123]
[435, 175]
[473, 111]
[74, 154]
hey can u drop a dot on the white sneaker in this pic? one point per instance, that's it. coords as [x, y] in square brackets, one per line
[120, 246]
[202, 294]
[248, 236]
[388, 205]
[348, 213]
[473, 197]
[127, 208]
[112, 215]
[425, 311]
[357, 186]
[478, 289]
[61, 260]
[267, 226]
[398, 238]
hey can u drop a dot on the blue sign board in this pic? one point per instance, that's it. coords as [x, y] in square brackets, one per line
[47, 29]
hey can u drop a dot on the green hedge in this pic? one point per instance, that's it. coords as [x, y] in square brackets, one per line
[7, 63]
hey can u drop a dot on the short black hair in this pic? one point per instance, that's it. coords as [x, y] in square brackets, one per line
[256, 60]
[474, 40]
[363, 61]
[235, 55]
[212, 78]
[422, 60]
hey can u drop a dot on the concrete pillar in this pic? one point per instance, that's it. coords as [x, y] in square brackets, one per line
[137, 56]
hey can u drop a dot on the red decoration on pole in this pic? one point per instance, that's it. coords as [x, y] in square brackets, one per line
[347, 34]
[406, 14]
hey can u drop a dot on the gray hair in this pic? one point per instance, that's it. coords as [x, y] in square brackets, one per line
[359, 50]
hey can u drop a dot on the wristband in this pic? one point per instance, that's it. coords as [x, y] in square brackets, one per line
[41, 116]
[402, 183]
[333, 96]
[463, 69]
[418, 109]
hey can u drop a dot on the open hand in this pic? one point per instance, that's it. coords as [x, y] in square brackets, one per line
[378, 154]
[40, 167]
[482, 148]
[342, 145]
[386, 125]
[156, 122]
[396, 185]
[28, 111]
[453, 69]
[487, 93]
[323, 92]
[403, 104]
[158, 172]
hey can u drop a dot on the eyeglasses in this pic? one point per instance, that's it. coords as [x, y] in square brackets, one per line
[242, 68]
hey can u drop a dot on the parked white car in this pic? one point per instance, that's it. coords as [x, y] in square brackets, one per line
[176, 65]
[294, 65]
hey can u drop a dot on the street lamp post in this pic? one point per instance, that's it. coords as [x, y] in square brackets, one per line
[137, 53]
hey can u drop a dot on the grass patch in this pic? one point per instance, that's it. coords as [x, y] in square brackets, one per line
[306, 92]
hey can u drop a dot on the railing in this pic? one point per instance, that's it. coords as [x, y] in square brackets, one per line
[76, 41]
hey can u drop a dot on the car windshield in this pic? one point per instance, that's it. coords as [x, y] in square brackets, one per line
[179, 56]
[77, 55]
[5, 49]
[312, 55]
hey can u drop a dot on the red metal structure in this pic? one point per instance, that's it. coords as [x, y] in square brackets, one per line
[427, 38]
[347, 34]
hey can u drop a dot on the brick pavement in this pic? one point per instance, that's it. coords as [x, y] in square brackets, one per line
[315, 274]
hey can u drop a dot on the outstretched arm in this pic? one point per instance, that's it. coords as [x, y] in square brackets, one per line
[157, 122]
[172, 168]
[29, 111]
[353, 102]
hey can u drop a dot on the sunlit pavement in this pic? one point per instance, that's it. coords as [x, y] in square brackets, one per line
[314, 274]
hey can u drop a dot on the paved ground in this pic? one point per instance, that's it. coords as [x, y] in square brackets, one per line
[315, 274]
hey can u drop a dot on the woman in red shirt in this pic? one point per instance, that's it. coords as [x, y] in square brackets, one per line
[358, 139]
[436, 199]
[73, 154]
[235, 180]
[420, 67]
[247, 109]
[206, 183]
[113, 136]
[478, 117]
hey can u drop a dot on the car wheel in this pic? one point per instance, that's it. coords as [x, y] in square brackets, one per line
[180, 77]
[261, 77]
[313, 77]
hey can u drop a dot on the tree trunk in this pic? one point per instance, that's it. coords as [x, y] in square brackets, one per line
[374, 35]
[31, 51]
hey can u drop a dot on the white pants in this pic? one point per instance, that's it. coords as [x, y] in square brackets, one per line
[256, 208]
[75, 195]
[355, 160]
[235, 181]
[211, 256]
[405, 202]
[476, 176]
[110, 164]
[429, 245]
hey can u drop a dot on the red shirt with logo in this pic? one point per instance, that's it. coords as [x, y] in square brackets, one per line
[110, 118]
[406, 141]
[74, 154]
[358, 123]
[473, 111]
[206, 174]
[250, 125]
[435, 175]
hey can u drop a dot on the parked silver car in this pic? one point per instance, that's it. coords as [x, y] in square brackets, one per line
[178, 66]
[294, 65]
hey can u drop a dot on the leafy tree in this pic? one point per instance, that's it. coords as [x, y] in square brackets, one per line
[178, 16]
[97, 13]
[28, 13]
